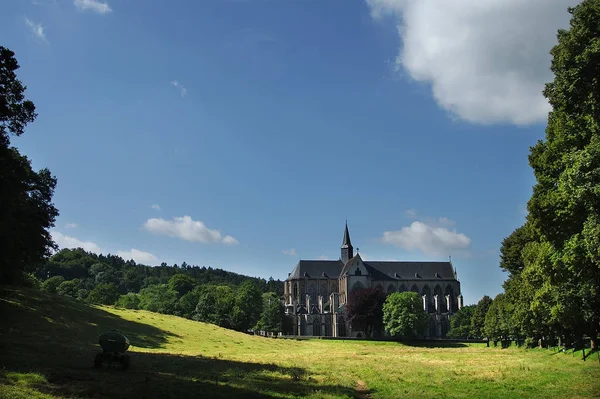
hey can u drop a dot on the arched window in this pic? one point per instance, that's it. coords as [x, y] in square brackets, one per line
[357, 272]
[414, 288]
[317, 327]
[403, 288]
[391, 288]
[295, 290]
[379, 287]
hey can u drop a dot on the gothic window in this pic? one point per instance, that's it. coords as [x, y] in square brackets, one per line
[414, 288]
[334, 287]
[391, 288]
[312, 292]
[295, 290]
[316, 327]
[323, 289]
[379, 287]
[357, 272]
[403, 288]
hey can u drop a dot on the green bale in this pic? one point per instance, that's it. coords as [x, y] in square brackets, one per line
[113, 341]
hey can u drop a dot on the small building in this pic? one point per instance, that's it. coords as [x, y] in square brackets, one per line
[316, 291]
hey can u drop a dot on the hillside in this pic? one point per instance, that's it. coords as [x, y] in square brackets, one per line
[48, 342]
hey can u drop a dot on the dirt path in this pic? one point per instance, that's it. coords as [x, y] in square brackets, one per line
[362, 391]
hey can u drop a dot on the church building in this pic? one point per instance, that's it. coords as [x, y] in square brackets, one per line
[317, 291]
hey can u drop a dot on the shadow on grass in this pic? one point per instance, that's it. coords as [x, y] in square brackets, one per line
[48, 343]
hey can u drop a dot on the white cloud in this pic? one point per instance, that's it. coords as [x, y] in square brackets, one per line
[156, 207]
[93, 5]
[187, 229]
[290, 252]
[138, 256]
[65, 241]
[36, 29]
[410, 213]
[182, 90]
[71, 225]
[486, 60]
[430, 239]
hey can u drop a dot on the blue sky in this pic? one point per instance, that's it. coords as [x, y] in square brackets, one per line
[242, 134]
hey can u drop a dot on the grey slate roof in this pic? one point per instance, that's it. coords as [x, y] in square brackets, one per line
[316, 268]
[408, 270]
[379, 270]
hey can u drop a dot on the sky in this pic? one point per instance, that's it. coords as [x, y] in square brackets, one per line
[242, 134]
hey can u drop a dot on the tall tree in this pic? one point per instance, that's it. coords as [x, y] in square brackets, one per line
[273, 313]
[364, 310]
[564, 209]
[26, 209]
[460, 323]
[403, 314]
[478, 318]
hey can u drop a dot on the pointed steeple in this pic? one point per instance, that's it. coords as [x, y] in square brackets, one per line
[346, 242]
[347, 249]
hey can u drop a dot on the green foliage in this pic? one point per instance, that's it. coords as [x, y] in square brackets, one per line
[478, 317]
[27, 212]
[511, 259]
[497, 323]
[182, 284]
[247, 306]
[158, 298]
[104, 294]
[564, 209]
[69, 288]
[272, 315]
[52, 284]
[215, 305]
[403, 314]
[29, 280]
[186, 305]
[128, 301]
[460, 323]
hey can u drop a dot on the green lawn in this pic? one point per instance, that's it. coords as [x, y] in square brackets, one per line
[47, 346]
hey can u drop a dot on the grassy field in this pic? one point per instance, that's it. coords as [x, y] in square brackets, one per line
[47, 346]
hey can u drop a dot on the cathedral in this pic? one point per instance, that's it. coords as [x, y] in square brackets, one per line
[317, 291]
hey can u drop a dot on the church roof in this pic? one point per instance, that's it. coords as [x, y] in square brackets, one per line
[379, 270]
[410, 270]
[316, 268]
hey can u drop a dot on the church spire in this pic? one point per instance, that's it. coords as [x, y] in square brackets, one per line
[347, 249]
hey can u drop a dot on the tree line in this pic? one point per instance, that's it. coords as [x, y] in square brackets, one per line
[205, 294]
[553, 260]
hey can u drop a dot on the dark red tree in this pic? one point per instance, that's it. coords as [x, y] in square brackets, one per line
[364, 310]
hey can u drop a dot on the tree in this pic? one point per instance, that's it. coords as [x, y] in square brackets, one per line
[460, 323]
[364, 310]
[158, 298]
[188, 302]
[181, 283]
[129, 301]
[52, 284]
[216, 306]
[69, 288]
[247, 306]
[403, 314]
[497, 326]
[26, 209]
[511, 259]
[478, 317]
[564, 209]
[273, 312]
[104, 294]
